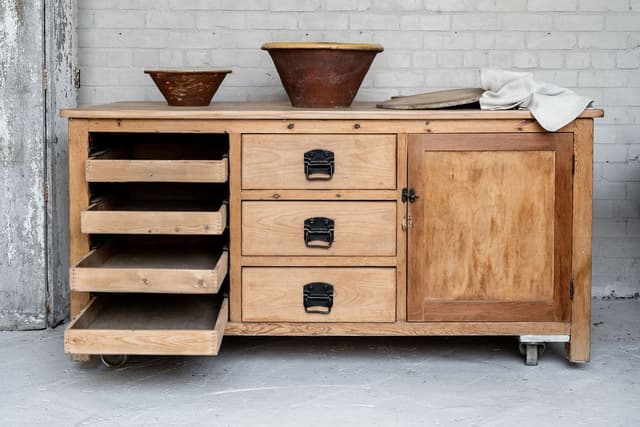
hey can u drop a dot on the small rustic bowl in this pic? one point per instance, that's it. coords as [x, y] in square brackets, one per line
[188, 88]
[322, 75]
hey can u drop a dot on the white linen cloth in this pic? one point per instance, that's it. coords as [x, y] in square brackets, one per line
[552, 106]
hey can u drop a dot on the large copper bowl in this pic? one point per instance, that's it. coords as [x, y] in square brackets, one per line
[322, 75]
[188, 88]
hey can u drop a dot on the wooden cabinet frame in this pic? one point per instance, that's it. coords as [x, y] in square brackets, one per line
[236, 119]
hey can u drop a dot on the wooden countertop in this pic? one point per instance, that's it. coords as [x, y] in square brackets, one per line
[282, 110]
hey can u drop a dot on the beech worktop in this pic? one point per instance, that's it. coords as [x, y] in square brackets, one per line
[283, 110]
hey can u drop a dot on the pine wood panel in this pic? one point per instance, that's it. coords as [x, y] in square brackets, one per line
[399, 328]
[578, 349]
[488, 227]
[316, 261]
[107, 218]
[277, 228]
[297, 126]
[78, 202]
[275, 161]
[195, 328]
[283, 110]
[360, 294]
[319, 194]
[401, 232]
[485, 207]
[109, 170]
[235, 228]
[110, 268]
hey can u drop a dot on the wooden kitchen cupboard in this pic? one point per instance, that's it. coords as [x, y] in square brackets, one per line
[188, 224]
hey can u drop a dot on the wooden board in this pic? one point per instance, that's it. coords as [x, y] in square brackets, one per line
[159, 325]
[434, 100]
[277, 228]
[284, 111]
[360, 294]
[78, 202]
[398, 329]
[466, 122]
[579, 348]
[276, 161]
[104, 168]
[151, 269]
[487, 242]
[235, 218]
[154, 217]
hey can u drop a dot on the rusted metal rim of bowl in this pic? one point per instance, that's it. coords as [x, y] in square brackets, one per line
[322, 45]
[188, 71]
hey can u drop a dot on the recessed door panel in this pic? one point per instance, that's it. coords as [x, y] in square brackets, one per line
[490, 237]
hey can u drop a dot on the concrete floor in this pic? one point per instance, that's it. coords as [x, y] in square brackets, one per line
[333, 381]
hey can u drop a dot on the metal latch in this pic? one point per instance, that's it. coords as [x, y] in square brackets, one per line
[319, 164]
[317, 297]
[410, 195]
[318, 232]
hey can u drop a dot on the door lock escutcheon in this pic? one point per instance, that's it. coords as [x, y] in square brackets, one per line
[409, 194]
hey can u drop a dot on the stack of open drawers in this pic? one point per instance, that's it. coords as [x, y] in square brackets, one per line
[157, 226]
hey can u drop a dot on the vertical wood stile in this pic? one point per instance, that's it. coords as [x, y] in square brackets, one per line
[415, 235]
[578, 350]
[235, 236]
[401, 254]
[78, 202]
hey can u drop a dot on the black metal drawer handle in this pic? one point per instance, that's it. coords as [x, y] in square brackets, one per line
[317, 297]
[319, 165]
[318, 232]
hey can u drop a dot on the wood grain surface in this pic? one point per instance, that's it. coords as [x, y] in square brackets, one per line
[277, 228]
[101, 219]
[434, 100]
[360, 294]
[276, 161]
[488, 226]
[284, 111]
[98, 170]
[150, 269]
[107, 329]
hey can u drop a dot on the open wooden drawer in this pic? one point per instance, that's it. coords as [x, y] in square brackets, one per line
[115, 216]
[122, 165]
[188, 325]
[115, 267]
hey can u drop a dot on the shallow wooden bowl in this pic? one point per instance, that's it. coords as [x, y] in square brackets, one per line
[322, 74]
[188, 88]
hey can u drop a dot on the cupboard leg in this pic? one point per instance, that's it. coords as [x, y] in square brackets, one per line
[578, 349]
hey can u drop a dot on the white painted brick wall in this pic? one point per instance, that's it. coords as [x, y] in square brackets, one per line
[592, 46]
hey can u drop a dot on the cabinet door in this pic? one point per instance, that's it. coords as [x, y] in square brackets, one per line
[491, 233]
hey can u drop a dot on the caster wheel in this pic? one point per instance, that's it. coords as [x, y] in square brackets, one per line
[531, 352]
[113, 360]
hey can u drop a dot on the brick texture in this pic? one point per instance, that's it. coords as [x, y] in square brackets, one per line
[591, 46]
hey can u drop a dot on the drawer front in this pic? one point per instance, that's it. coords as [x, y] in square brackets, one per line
[167, 325]
[98, 170]
[354, 229]
[359, 162]
[111, 269]
[272, 294]
[153, 222]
